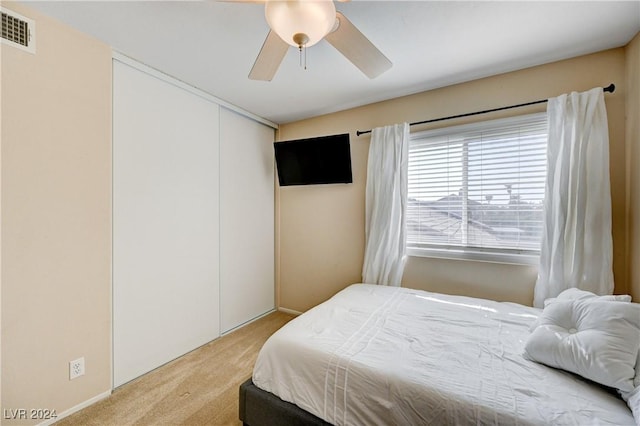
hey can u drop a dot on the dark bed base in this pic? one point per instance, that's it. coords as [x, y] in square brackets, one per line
[261, 408]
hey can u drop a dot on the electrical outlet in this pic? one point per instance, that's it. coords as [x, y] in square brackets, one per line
[76, 368]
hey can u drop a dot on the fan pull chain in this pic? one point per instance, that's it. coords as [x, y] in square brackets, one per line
[301, 40]
[303, 53]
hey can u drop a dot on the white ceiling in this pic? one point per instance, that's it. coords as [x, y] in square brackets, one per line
[212, 45]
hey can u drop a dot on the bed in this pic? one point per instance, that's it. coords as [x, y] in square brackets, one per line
[376, 355]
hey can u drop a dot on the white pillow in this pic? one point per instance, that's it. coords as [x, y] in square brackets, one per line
[633, 398]
[634, 404]
[591, 337]
[577, 294]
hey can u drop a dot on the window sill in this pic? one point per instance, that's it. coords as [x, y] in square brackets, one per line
[479, 256]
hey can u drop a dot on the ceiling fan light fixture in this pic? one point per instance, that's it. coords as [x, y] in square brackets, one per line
[292, 20]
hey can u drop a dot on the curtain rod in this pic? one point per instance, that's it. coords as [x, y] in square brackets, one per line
[610, 88]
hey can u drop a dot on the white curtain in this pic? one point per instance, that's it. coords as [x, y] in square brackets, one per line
[386, 206]
[577, 248]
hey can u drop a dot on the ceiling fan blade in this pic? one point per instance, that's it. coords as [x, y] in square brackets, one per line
[269, 58]
[357, 48]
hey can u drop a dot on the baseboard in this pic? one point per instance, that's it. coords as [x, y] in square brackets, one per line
[246, 323]
[289, 311]
[77, 408]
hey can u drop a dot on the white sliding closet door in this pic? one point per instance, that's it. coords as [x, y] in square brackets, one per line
[246, 219]
[165, 221]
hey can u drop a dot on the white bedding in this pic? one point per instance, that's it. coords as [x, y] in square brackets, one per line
[375, 355]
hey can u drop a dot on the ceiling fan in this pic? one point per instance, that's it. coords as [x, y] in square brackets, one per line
[303, 23]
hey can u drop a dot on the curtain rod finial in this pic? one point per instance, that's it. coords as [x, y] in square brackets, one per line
[610, 88]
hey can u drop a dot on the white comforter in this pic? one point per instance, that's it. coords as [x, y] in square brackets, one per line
[374, 355]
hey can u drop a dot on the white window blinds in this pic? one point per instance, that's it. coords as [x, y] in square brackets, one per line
[478, 186]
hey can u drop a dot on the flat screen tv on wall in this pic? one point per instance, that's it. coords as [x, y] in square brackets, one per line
[312, 161]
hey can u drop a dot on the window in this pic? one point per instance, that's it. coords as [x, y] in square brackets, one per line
[476, 191]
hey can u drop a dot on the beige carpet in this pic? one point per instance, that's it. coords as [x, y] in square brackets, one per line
[199, 388]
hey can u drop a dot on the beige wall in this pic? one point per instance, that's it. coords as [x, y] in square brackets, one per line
[321, 228]
[633, 162]
[56, 218]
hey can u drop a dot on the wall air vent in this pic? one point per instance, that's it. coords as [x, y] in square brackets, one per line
[18, 31]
